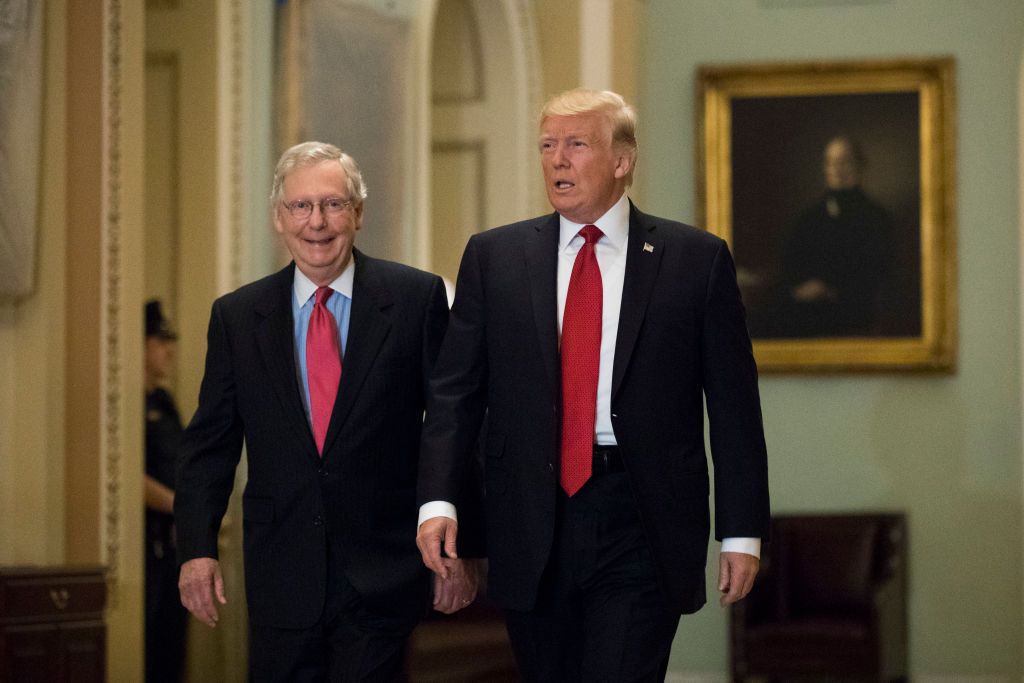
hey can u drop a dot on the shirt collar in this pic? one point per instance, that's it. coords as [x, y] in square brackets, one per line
[614, 224]
[304, 288]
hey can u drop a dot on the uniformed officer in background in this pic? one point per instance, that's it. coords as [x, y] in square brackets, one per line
[166, 619]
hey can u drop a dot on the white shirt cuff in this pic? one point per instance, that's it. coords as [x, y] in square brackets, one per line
[750, 546]
[437, 508]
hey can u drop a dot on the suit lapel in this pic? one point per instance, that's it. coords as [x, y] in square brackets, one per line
[368, 326]
[643, 258]
[276, 339]
[541, 251]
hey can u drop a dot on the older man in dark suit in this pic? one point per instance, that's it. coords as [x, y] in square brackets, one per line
[321, 370]
[591, 338]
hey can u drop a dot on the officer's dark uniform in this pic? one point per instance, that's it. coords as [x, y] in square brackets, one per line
[166, 619]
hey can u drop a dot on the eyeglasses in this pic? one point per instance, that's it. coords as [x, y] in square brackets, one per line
[301, 209]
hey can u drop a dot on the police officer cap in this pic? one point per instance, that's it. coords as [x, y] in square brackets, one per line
[156, 324]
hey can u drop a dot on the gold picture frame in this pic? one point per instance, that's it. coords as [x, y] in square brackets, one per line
[833, 183]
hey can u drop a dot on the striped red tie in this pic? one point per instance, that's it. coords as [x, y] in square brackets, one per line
[581, 361]
[323, 365]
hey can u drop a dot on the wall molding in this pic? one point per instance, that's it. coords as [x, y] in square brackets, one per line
[111, 408]
[523, 22]
[233, 77]
[233, 266]
[1020, 233]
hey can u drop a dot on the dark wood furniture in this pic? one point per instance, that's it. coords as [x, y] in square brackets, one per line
[51, 624]
[830, 601]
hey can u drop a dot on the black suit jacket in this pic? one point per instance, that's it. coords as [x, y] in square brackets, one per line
[359, 498]
[681, 338]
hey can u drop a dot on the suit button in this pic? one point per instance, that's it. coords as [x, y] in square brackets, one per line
[615, 415]
[318, 521]
[322, 472]
[551, 467]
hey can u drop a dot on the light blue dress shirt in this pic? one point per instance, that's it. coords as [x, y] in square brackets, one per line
[340, 306]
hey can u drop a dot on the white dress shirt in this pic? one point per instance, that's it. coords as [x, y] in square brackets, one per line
[611, 259]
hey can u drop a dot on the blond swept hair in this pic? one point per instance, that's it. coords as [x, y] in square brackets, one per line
[620, 114]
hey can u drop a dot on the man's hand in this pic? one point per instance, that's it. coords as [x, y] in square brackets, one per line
[459, 589]
[431, 534]
[736, 574]
[199, 581]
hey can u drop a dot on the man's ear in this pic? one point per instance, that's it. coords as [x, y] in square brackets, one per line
[275, 216]
[359, 216]
[624, 162]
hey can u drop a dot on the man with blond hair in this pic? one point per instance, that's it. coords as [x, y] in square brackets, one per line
[321, 370]
[591, 337]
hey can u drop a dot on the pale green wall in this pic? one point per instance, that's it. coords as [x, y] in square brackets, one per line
[947, 449]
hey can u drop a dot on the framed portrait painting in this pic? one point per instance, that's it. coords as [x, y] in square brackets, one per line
[833, 183]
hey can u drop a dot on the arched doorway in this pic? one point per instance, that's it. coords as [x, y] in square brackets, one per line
[484, 97]
[484, 94]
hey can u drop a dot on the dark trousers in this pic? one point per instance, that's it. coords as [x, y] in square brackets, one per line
[166, 619]
[600, 615]
[348, 643]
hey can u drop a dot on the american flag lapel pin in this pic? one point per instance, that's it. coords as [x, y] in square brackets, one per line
[648, 247]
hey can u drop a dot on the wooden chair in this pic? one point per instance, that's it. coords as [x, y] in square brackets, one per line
[830, 601]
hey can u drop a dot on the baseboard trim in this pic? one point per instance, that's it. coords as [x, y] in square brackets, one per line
[690, 677]
[695, 677]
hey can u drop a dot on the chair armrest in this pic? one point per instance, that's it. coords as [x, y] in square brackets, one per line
[886, 595]
[889, 623]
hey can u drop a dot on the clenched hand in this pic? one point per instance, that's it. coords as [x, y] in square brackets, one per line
[459, 589]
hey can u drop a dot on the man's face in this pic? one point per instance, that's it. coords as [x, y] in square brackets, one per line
[320, 244]
[841, 172]
[584, 174]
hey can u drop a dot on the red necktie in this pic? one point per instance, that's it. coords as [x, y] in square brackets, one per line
[323, 365]
[581, 360]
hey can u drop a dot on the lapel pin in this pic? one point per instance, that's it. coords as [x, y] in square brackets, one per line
[648, 247]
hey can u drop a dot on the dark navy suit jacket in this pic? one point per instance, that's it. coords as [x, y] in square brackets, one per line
[359, 498]
[681, 339]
